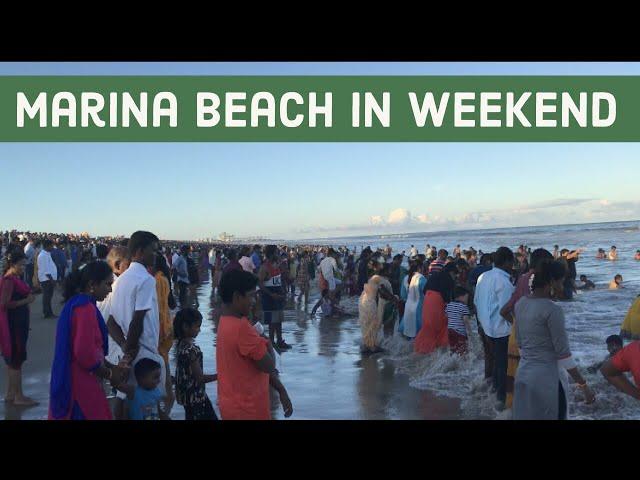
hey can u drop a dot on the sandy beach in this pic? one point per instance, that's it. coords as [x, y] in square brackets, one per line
[325, 373]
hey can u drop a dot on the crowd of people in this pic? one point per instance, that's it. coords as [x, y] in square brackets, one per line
[127, 304]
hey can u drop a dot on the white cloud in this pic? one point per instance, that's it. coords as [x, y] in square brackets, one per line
[552, 212]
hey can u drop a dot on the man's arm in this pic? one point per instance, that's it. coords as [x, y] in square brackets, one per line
[116, 332]
[135, 330]
[616, 378]
[266, 364]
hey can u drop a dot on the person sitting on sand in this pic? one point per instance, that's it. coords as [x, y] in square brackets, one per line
[613, 254]
[614, 345]
[637, 255]
[616, 283]
[585, 283]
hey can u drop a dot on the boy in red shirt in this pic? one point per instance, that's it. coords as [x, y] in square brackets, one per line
[245, 360]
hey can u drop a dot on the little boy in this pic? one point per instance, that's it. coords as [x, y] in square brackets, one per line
[458, 316]
[616, 283]
[614, 345]
[586, 284]
[143, 400]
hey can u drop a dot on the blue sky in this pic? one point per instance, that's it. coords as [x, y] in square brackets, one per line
[189, 191]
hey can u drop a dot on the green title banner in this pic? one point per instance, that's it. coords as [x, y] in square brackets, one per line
[319, 109]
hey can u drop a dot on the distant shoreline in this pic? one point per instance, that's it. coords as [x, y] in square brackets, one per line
[392, 236]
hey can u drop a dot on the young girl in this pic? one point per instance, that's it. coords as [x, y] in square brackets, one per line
[190, 381]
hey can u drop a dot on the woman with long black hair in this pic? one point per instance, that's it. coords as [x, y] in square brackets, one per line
[82, 343]
[541, 384]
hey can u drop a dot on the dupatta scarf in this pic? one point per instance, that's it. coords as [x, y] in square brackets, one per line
[60, 393]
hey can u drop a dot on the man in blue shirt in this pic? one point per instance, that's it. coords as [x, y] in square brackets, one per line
[181, 268]
[60, 259]
[256, 257]
[493, 291]
[486, 264]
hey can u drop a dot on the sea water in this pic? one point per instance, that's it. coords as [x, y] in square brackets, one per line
[590, 318]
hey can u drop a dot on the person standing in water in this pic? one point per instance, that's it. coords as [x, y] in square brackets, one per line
[493, 291]
[15, 298]
[523, 289]
[273, 296]
[613, 254]
[434, 333]
[412, 292]
[541, 385]
[245, 360]
[302, 278]
[371, 311]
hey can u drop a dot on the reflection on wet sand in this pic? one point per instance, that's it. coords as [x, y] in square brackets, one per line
[325, 374]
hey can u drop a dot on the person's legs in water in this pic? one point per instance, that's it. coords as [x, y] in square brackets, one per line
[487, 346]
[500, 351]
[279, 318]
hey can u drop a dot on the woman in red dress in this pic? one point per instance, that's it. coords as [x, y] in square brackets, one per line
[439, 291]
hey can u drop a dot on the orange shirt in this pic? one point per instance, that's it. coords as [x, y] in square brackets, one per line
[628, 360]
[243, 390]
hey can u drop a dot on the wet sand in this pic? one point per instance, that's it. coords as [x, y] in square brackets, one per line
[325, 374]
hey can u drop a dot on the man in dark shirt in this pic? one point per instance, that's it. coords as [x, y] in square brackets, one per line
[569, 259]
[363, 268]
[233, 263]
[486, 264]
[397, 274]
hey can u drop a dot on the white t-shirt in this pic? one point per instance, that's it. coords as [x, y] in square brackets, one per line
[327, 267]
[414, 251]
[247, 264]
[46, 266]
[115, 352]
[134, 291]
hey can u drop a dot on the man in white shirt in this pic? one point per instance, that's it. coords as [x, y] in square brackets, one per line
[414, 251]
[134, 308]
[30, 253]
[328, 267]
[47, 276]
[493, 291]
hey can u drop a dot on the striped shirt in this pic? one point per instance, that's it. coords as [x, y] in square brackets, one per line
[436, 266]
[455, 312]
